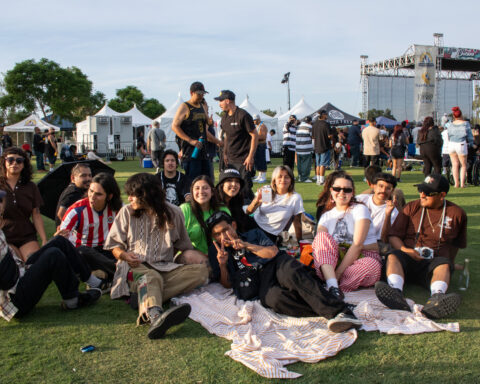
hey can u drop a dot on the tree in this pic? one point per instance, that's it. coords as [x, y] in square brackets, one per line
[130, 95]
[46, 86]
[374, 113]
[269, 112]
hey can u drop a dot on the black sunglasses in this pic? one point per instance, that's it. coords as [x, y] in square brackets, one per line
[346, 190]
[428, 194]
[11, 160]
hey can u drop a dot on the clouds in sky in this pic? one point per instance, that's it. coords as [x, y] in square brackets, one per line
[244, 46]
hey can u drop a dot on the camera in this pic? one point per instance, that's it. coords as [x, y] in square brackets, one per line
[425, 252]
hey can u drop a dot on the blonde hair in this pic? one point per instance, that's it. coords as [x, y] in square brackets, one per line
[276, 173]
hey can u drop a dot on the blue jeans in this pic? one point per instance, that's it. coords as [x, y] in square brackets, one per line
[40, 163]
[260, 158]
[355, 152]
[323, 159]
[304, 166]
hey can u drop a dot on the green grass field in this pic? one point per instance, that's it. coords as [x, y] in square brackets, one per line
[45, 346]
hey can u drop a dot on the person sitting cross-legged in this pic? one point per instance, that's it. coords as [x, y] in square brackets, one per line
[426, 237]
[280, 282]
[144, 238]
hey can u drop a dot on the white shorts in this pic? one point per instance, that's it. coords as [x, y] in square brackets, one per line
[458, 148]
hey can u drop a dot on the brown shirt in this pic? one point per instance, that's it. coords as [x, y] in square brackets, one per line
[19, 205]
[454, 234]
[371, 143]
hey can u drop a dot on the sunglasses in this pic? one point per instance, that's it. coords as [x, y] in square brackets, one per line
[11, 160]
[346, 190]
[429, 194]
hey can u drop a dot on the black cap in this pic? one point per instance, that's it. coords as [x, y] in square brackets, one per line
[216, 218]
[230, 172]
[434, 183]
[225, 94]
[197, 87]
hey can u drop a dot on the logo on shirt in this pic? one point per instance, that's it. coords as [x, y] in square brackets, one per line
[446, 222]
[110, 219]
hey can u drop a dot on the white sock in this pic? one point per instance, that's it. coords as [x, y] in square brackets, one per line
[71, 303]
[322, 179]
[332, 283]
[395, 281]
[93, 281]
[438, 287]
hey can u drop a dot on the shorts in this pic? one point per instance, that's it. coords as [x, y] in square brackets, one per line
[420, 272]
[52, 159]
[323, 159]
[460, 149]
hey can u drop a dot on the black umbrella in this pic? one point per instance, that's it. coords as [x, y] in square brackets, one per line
[53, 184]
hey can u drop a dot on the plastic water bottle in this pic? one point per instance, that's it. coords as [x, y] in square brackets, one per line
[196, 151]
[464, 278]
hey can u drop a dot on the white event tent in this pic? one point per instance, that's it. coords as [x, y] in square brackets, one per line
[300, 110]
[138, 118]
[270, 122]
[107, 111]
[28, 124]
[166, 120]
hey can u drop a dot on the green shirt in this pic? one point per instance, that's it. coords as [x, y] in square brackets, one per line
[194, 230]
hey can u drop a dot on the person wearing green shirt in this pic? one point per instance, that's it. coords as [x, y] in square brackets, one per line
[196, 212]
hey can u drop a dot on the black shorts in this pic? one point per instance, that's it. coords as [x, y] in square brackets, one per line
[420, 272]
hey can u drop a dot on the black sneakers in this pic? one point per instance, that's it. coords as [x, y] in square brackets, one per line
[86, 298]
[343, 322]
[441, 305]
[167, 319]
[391, 297]
[337, 292]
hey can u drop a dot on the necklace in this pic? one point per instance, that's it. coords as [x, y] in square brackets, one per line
[430, 221]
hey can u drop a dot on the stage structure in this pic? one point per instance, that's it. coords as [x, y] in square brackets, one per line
[427, 80]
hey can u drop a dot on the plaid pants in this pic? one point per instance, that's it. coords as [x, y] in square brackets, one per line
[364, 272]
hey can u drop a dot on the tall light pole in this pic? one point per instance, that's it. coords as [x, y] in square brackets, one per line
[286, 79]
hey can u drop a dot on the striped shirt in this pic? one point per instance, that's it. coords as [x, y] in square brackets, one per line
[303, 141]
[289, 133]
[87, 226]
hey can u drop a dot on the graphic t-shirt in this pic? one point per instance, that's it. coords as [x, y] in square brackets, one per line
[176, 188]
[341, 224]
[377, 212]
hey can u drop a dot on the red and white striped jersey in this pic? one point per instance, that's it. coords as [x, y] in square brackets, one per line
[87, 226]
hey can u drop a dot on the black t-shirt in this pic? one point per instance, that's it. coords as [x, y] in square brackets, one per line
[70, 195]
[38, 143]
[320, 131]
[256, 237]
[194, 126]
[237, 129]
[175, 188]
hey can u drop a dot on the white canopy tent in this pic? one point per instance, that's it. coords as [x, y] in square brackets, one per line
[270, 122]
[28, 124]
[166, 120]
[300, 110]
[107, 111]
[138, 118]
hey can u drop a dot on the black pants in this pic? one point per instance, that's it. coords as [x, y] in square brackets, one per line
[247, 176]
[291, 288]
[98, 258]
[289, 158]
[432, 158]
[370, 160]
[57, 261]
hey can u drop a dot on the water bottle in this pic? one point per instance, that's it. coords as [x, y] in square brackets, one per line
[464, 278]
[196, 151]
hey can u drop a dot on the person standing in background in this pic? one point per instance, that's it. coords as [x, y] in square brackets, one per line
[371, 143]
[156, 144]
[430, 142]
[322, 135]
[51, 149]
[38, 149]
[304, 150]
[260, 153]
[289, 137]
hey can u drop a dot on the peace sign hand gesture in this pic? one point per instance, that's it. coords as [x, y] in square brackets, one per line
[222, 255]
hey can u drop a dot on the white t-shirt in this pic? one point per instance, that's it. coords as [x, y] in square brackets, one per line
[273, 217]
[377, 212]
[445, 150]
[341, 224]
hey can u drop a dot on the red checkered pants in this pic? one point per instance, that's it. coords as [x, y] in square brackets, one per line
[364, 272]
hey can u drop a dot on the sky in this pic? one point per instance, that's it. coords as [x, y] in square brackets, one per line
[245, 46]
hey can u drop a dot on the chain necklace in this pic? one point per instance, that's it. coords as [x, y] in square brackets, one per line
[430, 221]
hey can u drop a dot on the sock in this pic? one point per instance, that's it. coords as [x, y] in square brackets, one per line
[71, 303]
[93, 281]
[322, 179]
[438, 287]
[395, 281]
[154, 312]
[332, 283]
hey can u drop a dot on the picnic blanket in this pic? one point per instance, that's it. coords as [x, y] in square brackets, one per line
[266, 342]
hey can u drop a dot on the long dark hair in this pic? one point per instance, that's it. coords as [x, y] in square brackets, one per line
[148, 189]
[110, 186]
[26, 174]
[197, 209]
[325, 197]
[235, 205]
[397, 131]
[427, 123]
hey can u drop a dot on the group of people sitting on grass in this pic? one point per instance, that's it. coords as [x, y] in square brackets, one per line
[175, 235]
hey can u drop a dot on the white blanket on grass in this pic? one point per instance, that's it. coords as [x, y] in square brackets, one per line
[266, 342]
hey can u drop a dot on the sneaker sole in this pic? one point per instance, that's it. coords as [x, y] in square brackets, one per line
[445, 307]
[389, 297]
[339, 326]
[173, 316]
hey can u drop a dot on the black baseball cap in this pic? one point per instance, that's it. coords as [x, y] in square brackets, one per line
[231, 172]
[434, 183]
[197, 87]
[216, 218]
[322, 112]
[225, 94]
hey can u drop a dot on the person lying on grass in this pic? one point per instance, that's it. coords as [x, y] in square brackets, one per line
[144, 238]
[251, 264]
[426, 237]
[22, 284]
